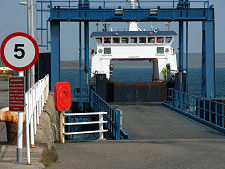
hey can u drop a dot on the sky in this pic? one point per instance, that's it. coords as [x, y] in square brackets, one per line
[13, 18]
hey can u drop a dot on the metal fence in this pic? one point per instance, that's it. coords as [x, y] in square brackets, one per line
[100, 121]
[112, 116]
[207, 111]
[35, 98]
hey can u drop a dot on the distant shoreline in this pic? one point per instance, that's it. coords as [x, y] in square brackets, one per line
[195, 61]
[191, 67]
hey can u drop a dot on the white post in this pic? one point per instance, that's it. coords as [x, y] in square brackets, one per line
[27, 131]
[35, 121]
[20, 133]
[34, 109]
[31, 121]
[39, 103]
[37, 116]
[101, 137]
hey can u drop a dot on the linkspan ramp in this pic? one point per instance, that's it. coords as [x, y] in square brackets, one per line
[154, 121]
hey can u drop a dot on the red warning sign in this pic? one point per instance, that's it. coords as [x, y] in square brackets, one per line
[16, 94]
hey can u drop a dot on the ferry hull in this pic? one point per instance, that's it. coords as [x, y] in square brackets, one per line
[129, 92]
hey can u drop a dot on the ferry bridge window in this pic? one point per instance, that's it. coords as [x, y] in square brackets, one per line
[160, 39]
[124, 40]
[133, 40]
[107, 40]
[160, 50]
[99, 40]
[142, 40]
[116, 40]
[151, 40]
[168, 39]
[107, 50]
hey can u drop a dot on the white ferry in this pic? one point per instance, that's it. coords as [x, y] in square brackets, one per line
[154, 46]
[135, 44]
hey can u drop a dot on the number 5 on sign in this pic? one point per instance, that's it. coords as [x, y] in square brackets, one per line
[19, 51]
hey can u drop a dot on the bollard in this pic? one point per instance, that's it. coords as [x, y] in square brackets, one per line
[61, 127]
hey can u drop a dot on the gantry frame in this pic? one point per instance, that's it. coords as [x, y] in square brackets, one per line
[179, 11]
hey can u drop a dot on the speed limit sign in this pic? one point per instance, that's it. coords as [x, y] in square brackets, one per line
[19, 51]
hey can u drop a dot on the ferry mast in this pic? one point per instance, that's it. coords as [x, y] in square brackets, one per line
[132, 26]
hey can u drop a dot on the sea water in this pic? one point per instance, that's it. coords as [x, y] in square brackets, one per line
[141, 75]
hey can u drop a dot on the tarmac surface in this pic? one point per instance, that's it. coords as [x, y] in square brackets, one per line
[159, 138]
[154, 121]
[156, 154]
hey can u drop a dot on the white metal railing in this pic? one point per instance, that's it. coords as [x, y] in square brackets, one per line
[101, 130]
[35, 98]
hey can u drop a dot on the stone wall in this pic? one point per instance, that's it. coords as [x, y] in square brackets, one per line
[47, 131]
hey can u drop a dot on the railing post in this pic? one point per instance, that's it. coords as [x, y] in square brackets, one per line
[189, 103]
[171, 97]
[176, 99]
[34, 109]
[31, 119]
[204, 107]
[223, 115]
[117, 124]
[210, 111]
[198, 107]
[27, 129]
[216, 113]
[101, 136]
[185, 102]
[92, 101]
[194, 105]
[36, 103]
[181, 100]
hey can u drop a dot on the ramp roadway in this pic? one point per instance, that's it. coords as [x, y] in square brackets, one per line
[154, 121]
[160, 139]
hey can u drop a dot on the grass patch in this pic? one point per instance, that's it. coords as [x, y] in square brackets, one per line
[49, 156]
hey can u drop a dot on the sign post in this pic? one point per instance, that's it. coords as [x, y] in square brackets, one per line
[19, 51]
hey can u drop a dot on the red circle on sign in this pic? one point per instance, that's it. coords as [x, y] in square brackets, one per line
[33, 42]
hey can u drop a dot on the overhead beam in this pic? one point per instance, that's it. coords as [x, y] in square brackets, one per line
[141, 15]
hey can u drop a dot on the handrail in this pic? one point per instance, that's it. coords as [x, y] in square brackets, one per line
[35, 98]
[101, 130]
[208, 111]
[112, 116]
[110, 4]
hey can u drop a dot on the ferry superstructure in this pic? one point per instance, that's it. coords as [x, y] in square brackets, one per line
[135, 44]
[154, 46]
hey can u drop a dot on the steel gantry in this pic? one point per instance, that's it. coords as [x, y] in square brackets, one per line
[85, 11]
